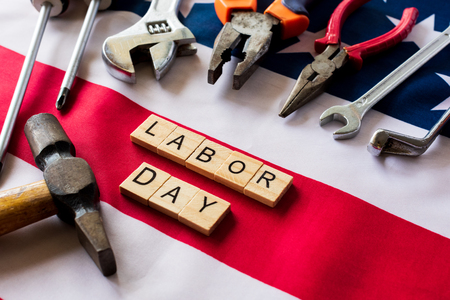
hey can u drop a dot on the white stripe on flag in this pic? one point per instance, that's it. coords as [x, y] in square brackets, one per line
[415, 189]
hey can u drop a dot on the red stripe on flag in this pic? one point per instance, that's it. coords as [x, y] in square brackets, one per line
[318, 243]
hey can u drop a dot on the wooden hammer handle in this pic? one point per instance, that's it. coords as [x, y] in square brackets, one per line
[25, 205]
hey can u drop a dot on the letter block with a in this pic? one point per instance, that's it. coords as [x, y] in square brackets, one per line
[237, 171]
[179, 145]
[268, 185]
[152, 132]
[208, 158]
[204, 212]
[172, 197]
[143, 183]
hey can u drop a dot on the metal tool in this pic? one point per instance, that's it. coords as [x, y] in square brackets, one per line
[69, 189]
[47, 9]
[83, 37]
[284, 19]
[351, 114]
[386, 141]
[159, 36]
[316, 77]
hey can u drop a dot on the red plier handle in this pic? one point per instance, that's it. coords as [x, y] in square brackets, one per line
[292, 24]
[374, 46]
[357, 52]
[337, 19]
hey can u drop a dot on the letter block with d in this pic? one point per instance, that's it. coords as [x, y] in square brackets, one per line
[143, 183]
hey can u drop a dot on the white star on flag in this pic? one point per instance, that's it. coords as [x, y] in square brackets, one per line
[422, 33]
[306, 43]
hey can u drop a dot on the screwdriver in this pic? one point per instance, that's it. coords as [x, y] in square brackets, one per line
[47, 9]
[69, 77]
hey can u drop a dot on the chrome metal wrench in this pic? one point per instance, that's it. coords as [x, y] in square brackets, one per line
[159, 36]
[351, 114]
[386, 141]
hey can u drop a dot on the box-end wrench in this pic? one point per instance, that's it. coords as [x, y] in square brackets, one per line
[351, 114]
[386, 141]
[159, 36]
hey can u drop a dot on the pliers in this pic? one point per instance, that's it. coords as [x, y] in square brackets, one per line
[285, 18]
[316, 76]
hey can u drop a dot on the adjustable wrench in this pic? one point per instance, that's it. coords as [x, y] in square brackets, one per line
[159, 36]
[351, 114]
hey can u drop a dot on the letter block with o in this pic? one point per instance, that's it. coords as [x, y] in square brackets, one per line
[237, 171]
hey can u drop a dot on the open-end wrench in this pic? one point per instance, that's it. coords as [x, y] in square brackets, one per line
[159, 36]
[386, 141]
[352, 114]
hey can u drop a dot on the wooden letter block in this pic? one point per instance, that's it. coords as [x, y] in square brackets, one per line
[268, 185]
[237, 171]
[204, 212]
[143, 183]
[172, 197]
[152, 132]
[179, 145]
[208, 158]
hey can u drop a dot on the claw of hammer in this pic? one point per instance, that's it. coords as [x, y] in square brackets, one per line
[70, 190]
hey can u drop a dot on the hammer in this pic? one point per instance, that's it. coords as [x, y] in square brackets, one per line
[69, 189]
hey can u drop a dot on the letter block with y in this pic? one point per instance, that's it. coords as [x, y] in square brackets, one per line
[143, 183]
[204, 212]
[152, 132]
[268, 185]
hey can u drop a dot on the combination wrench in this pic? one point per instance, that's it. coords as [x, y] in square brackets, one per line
[351, 114]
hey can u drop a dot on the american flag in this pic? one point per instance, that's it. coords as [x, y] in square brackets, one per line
[352, 226]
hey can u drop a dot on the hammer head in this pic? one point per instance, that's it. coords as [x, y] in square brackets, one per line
[72, 185]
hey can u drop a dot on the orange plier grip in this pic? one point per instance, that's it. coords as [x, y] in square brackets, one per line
[292, 24]
[224, 8]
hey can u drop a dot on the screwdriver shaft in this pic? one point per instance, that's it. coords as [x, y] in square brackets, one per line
[22, 83]
[75, 60]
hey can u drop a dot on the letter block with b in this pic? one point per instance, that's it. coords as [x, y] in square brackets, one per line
[208, 158]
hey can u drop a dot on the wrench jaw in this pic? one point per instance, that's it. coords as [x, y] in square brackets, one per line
[163, 55]
[118, 64]
[123, 50]
[389, 142]
[346, 116]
